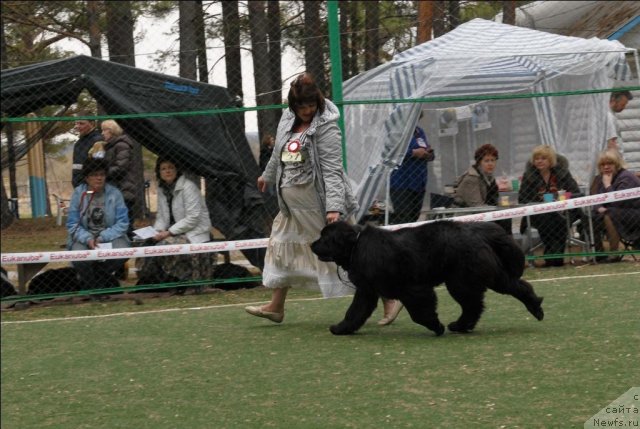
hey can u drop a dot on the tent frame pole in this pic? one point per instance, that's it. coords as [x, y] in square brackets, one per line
[635, 55]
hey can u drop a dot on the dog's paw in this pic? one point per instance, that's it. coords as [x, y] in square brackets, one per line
[456, 327]
[340, 329]
[439, 329]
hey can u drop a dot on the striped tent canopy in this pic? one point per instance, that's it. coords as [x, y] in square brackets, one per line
[481, 60]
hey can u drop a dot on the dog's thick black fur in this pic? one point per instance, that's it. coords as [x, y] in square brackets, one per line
[64, 280]
[7, 288]
[57, 280]
[232, 271]
[408, 263]
[222, 272]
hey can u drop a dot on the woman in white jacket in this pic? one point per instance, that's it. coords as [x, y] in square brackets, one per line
[182, 218]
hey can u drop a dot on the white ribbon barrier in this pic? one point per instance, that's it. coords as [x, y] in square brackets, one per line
[181, 249]
[531, 210]
[130, 252]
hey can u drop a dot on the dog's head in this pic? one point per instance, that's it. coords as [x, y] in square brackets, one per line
[336, 243]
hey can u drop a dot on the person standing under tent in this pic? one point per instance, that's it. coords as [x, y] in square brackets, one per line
[122, 174]
[617, 103]
[312, 189]
[408, 186]
[409, 181]
[88, 136]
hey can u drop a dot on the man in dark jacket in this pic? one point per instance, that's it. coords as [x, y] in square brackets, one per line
[88, 136]
[409, 181]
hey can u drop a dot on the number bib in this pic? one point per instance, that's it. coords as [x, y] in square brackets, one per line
[292, 152]
[291, 157]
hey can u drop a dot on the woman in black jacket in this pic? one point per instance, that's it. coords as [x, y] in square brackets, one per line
[548, 173]
[122, 172]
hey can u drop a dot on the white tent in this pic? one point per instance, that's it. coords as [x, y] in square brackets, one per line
[486, 63]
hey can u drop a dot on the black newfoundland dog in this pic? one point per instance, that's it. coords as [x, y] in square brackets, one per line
[408, 263]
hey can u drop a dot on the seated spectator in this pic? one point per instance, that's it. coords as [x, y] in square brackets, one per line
[620, 219]
[97, 216]
[548, 173]
[121, 174]
[478, 187]
[182, 218]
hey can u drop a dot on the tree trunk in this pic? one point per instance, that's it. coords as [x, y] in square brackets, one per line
[275, 59]
[122, 50]
[231, 32]
[120, 32]
[95, 35]
[438, 18]
[201, 43]
[354, 51]
[344, 38]
[509, 12]
[8, 128]
[93, 18]
[425, 21]
[313, 45]
[372, 38]
[187, 24]
[260, 55]
[454, 14]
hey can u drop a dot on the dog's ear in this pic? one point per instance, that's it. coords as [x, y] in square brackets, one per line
[351, 238]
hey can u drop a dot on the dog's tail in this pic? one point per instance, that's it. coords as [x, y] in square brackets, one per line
[508, 252]
[526, 294]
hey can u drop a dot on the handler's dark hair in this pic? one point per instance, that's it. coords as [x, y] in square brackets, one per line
[484, 150]
[304, 90]
[91, 165]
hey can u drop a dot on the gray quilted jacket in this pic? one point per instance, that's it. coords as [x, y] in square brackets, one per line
[325, 149]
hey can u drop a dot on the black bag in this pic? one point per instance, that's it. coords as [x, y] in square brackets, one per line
[439, 200]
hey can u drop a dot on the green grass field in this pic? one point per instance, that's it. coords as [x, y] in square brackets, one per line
[201, 362]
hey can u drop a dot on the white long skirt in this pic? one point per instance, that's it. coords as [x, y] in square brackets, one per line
[289, 261]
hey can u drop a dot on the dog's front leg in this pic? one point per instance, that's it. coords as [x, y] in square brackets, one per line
[363, 304]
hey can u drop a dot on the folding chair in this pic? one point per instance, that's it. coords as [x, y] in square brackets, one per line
[61, 208]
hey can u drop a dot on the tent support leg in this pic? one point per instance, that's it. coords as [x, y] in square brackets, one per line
[635, 55]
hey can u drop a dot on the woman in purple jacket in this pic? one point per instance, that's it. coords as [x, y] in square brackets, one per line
[620, 219]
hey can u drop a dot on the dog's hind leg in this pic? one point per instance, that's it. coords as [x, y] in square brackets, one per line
[523, 291]
[472, 303]
[361, 308]
[422, 310]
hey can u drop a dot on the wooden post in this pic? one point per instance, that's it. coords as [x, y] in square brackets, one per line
[37, 183]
